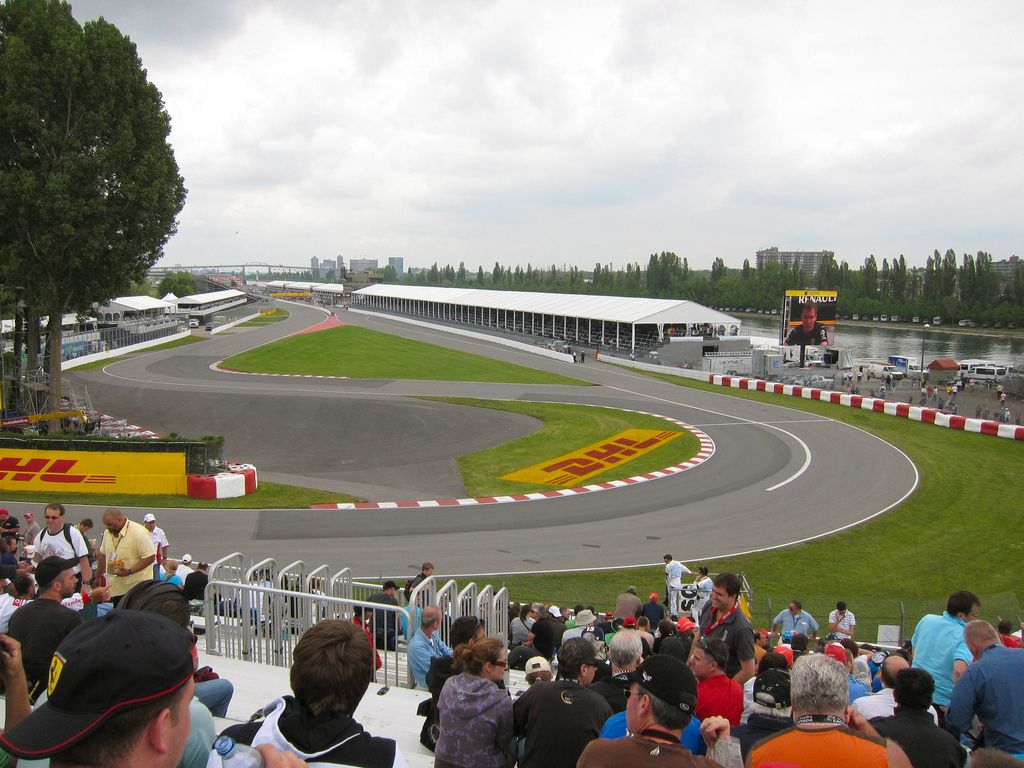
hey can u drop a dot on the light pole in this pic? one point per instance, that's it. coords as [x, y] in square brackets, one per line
[924, 335]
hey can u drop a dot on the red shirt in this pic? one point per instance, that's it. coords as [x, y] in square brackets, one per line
[720, 695]
[1011, 642]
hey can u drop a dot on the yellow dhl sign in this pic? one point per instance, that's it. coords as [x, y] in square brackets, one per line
[92, 471]
[593, 459]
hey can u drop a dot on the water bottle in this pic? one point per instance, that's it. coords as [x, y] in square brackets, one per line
[234, 755]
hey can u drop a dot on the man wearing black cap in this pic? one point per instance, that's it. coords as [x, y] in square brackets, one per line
[662, 699]
[118, 694]
[770, 712]
[42, 624]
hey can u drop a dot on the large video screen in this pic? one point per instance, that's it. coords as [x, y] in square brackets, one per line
[809, 319]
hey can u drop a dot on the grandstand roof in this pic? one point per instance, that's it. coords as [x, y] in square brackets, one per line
[203, 298]
[619, 309]
[329, 287]
[139, 303]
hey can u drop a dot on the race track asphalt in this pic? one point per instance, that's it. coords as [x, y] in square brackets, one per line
[778, 475]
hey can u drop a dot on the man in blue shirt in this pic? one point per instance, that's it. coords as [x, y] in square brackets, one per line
[939, 646]
[795, 620]
[991, 688]
[426, 645]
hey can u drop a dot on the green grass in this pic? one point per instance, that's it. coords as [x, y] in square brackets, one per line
[275, 316]
[962, 529]
[184, 341]
[363, 354]
[267, 496]
[565, 428]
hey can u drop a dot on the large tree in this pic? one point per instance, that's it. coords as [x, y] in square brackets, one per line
[89, 188]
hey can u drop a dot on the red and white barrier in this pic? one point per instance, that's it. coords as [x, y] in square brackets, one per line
[240, 480]
[902, 410]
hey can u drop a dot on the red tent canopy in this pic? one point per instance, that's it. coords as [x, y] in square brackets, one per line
[943, 364]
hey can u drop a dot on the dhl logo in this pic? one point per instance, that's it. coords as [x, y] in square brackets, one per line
[46, 470]
[594, 459]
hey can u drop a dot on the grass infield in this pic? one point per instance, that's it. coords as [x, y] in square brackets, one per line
[360, 353]
[565, 427]
[960, 530]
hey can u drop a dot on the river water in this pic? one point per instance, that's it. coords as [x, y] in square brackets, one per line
[868, 342]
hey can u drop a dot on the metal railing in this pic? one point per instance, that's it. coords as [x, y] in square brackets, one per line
[262, 624]
[258, 613]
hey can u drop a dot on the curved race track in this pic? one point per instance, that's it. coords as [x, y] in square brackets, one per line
[778, 475]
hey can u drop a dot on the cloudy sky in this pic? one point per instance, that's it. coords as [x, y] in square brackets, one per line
[582, 132]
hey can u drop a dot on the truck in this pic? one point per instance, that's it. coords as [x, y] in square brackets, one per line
[910, 367]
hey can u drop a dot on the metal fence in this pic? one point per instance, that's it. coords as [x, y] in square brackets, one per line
[258, 612]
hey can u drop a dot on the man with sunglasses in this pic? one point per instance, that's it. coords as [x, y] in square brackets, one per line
[662, 697]
[61, 539]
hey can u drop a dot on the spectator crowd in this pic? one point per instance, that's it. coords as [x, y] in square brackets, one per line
[99, 666]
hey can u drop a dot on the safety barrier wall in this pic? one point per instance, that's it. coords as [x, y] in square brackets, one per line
[875, 404]
[124, 350]
[23, 469]
[521, 346]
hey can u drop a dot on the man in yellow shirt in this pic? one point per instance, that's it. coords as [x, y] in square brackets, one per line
[126, 554]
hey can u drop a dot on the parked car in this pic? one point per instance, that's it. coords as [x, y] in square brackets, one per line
[916, 319]
[937, 320]
[193, 323]
[856, 317]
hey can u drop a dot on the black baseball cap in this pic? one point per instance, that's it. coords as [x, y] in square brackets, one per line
[49, 569]
[771, 689]
[668, 679]
[108, 665]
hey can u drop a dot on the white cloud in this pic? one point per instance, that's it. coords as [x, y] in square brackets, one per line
[584, 132]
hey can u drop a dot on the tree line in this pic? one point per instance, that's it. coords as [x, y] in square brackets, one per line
[953, 287]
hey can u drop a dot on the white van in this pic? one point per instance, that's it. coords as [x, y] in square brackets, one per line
[984, 370]
[881, 370]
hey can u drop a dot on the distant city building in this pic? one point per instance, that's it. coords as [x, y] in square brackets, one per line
[809, 261]
[314, 266]
[329, 265]
[341, 264]
[397, 263]
[416, 270]
[363, 265]
[1006, 267]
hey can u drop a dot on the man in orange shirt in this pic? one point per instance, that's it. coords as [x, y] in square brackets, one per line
[828, 734]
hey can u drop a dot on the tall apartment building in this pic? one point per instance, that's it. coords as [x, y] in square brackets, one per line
[362, 265]
[397, 263]
[1006, 267]
[809, 261]
[314, 266]
[328, 266]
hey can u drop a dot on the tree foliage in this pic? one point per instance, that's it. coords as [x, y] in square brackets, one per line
[89, 188]
[178, 283]
[947, 286]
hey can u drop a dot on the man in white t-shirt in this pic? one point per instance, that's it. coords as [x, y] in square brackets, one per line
[160, 542]
[24, 591]
[842, 623]
[61, 539]
[185, 568]
[674, 571]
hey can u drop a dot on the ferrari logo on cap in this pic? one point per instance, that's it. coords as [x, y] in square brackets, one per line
[56, 667]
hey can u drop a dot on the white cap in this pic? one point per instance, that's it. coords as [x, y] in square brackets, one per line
[149, 518]
[186, 558]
